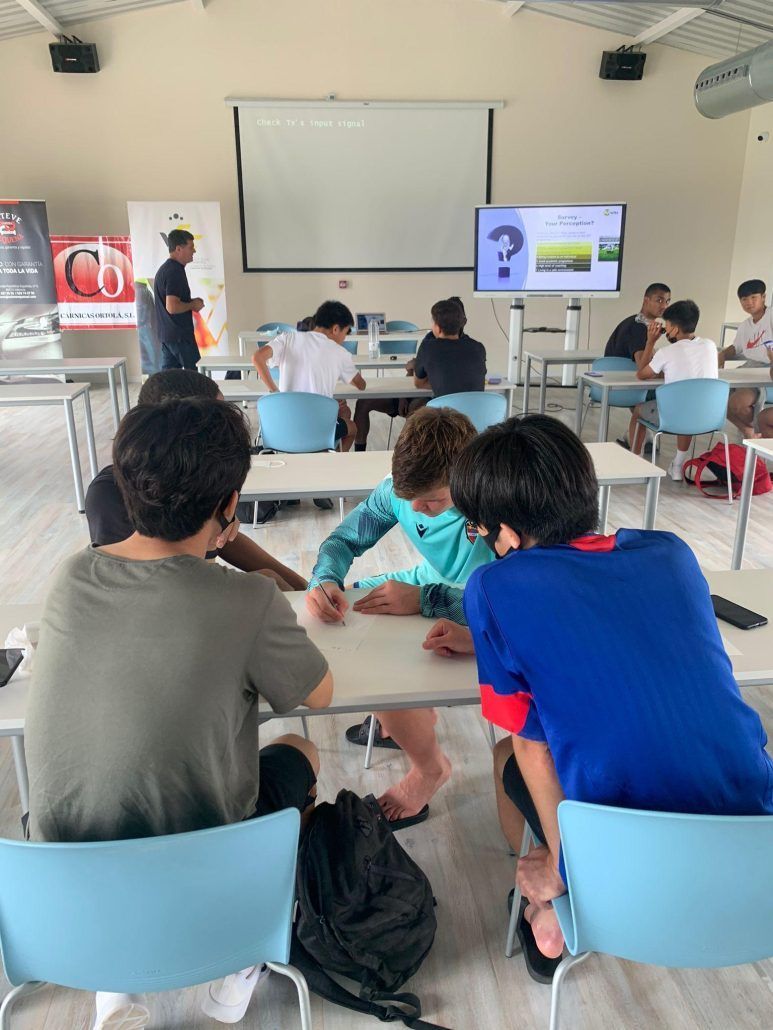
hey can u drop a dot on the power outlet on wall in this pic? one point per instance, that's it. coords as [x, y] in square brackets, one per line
[342, 284]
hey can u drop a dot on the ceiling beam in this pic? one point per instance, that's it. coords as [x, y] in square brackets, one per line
[41, 15]
[669, 24]
[513, 7]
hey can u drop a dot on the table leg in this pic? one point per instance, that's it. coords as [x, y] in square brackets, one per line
[604, 416]
[744, 507]
[113, 396]
[526, 385]
[603, 508]
[72, 439]
[90, 433]
[543, 387]
[651, 502]
[22, 779]
[578, 409]
[124, 386]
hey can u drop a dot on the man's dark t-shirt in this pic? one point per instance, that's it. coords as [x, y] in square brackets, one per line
[171, 281]
[452, 366]
[628, 338]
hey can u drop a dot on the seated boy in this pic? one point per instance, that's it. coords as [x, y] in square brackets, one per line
[416, 497]
[449, 361]
[688, 357]
[314, 362]
[109, 520]
[597, 712]
[753, 342]
[143, 715]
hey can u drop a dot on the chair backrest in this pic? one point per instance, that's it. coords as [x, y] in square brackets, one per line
[298, 423]
[617, 398]
[351, 346]
[387, 347]
[275, 327]
[668, 889]
[399, 325]
[151, 914]
[482, 409]
[692, 406]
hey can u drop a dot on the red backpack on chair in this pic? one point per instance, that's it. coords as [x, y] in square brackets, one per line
[715, 461]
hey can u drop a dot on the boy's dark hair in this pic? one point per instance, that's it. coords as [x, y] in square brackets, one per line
[178, 238]
[176, 384]
[751, 286]
[449, 316]
[305, 325]
[656, 288]
[683, 313]
[531, 473]
[458, 300]
[426, 449]
[176, 463]
[331, 313]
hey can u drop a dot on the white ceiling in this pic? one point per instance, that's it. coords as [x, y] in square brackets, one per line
[713, 33]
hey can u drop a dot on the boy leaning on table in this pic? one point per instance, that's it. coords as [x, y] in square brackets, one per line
[143, 713]
[596, 713]
[754, 343]
[415, 497]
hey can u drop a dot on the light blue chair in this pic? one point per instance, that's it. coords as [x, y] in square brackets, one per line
[275, 328]
[664, 889]
[617, 398]
[481, 408]
[399, 325]
[689, 408]
[350, 345]
[154, 914]
[408, 347]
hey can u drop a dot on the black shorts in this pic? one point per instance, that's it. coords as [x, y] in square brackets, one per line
[286, 779]
[179, 354]
[342, 429]
[518, 792]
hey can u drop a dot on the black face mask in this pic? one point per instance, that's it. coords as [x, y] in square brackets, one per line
[490, 540]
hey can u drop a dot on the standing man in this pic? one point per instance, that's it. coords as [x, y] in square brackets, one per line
[629, 339]
[753, 342]
[174, 305]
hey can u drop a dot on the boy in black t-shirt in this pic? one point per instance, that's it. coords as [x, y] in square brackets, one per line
[447, 361]
[174, 305]
[629, 338]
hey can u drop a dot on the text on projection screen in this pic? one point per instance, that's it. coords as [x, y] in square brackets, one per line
[361, 188]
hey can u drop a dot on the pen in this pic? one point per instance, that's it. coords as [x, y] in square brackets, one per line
[330, 601]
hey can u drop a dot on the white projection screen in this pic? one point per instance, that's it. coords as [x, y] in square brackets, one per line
[369, 187]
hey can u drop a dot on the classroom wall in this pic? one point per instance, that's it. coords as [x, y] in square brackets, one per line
[753, 251]
[152, 125]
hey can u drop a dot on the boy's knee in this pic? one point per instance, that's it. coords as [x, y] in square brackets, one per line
[306, 747]
[503, 750]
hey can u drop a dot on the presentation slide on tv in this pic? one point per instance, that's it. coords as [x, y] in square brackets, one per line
[565, 250]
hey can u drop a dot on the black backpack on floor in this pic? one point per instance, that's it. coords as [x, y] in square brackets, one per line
[365, 910]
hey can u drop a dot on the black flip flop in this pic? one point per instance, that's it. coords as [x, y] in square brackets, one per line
[359, 735]
[409, 820]
[539, 966]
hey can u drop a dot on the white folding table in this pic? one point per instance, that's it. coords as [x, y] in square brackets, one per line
[754, 449]
[546, 359]
[45, 394]
[75, 366]
[617, 467]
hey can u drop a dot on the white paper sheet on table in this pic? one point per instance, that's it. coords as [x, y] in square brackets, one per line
[731, 649]
[333, 637]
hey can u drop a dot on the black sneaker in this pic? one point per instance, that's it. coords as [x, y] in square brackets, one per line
[325, 503]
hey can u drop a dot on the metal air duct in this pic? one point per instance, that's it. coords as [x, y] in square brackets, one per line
[737, 83]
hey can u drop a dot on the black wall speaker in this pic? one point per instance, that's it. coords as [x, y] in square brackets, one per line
[622, 64]
[74, 57]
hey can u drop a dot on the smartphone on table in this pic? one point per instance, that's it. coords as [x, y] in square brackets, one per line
[743, 618]
[10, 660]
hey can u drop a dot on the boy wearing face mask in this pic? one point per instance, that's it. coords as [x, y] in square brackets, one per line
[688, 357]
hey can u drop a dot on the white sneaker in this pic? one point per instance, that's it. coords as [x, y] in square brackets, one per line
[675, 471]
[121, 1011]
[228, 1002]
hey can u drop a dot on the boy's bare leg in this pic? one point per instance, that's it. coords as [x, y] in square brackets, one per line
[544, 926]
[766, 423]
[309, 749]
[414, 731]
[510, 818]
[740, 411]
[638, 433]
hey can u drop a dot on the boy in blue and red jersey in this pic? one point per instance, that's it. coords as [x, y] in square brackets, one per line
[598, 710]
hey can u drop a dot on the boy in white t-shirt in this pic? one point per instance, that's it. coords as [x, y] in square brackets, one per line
[753, 341]
[314, 362]
[688, 357]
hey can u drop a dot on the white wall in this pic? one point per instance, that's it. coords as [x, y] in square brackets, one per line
[753, 251]
[152, 125]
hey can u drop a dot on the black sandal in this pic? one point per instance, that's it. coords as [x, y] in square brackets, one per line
[359, 735]
[539, 966]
